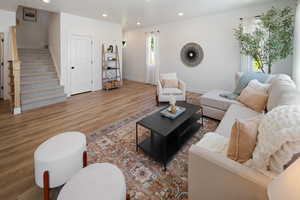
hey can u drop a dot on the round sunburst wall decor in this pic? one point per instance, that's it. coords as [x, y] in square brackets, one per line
[192, 54]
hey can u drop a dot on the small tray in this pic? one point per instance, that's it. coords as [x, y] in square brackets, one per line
[166, 112]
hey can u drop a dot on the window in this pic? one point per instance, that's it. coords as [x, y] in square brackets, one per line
[151, 49]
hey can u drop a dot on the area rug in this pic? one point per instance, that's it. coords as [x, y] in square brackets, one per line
[145, 178]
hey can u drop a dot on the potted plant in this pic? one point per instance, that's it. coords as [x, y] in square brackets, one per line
[272, 40]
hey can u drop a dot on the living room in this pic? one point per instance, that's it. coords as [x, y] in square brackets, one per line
[157, 100]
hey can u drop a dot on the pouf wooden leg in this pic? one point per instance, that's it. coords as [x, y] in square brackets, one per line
[46, 185]
[84, 159]
[127, 197]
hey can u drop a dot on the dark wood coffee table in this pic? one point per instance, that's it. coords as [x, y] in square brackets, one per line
[169, 135]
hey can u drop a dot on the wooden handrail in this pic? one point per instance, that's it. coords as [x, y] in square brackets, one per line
[16, 69]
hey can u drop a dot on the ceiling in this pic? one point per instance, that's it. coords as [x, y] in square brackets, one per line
[129, 12]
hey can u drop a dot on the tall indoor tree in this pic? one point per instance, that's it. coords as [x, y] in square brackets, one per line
[272, 40]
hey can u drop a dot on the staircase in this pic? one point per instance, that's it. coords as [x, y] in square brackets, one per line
[39, 81]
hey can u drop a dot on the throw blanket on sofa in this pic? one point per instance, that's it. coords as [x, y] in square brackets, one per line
[278, 139]
[243, 82]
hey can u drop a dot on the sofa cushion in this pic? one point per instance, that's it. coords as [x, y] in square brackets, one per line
[171, 91]
[282, 92]
[214, 142]
[214, 100]
[235, 111]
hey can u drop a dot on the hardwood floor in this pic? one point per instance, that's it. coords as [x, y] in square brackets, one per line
[20, 135]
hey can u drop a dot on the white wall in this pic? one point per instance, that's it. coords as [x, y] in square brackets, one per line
[99, 31]
[7, 19]
[214, 33]
[33, 34]
[54, 40]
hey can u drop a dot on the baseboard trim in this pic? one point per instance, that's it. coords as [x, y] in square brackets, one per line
[17, 111]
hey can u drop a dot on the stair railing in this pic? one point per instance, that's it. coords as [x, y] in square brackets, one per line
[15, 69]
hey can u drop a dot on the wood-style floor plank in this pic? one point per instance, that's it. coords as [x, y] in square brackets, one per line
[20, 135]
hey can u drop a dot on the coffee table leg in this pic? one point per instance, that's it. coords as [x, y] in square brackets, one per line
[136, 137]
[165, 153]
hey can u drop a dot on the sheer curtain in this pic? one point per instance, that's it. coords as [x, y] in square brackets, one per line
[152, 57]
[249, 25]
[296, 67]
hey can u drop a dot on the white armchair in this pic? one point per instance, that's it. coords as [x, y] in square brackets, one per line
[164, 94]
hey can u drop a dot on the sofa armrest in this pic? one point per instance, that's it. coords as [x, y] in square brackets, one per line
[182, 86]
[213, 176]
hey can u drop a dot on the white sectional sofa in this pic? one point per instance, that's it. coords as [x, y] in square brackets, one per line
[213, 176]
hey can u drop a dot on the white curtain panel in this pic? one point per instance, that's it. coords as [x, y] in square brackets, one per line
[152, 71]
[296, 65]
[249, 25]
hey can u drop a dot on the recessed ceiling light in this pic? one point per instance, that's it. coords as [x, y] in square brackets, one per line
[180, 14]
[138, 23]
[104, 15]
[46, 1]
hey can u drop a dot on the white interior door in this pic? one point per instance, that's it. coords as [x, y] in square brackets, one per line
[1, 65]
[81, 64]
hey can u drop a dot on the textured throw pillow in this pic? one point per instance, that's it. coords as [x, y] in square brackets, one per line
[169, 83]
[282, 92]
[243, 139]
[278, 140]
[253, 99]
[258, 86]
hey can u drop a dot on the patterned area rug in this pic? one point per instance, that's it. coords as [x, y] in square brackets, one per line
[145, 177]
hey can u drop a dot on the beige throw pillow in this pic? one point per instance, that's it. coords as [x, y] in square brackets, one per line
[253, 99]
[243, 139]
[169, 83]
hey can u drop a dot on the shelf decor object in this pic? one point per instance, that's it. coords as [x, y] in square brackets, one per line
[111, 72]
[192, 54]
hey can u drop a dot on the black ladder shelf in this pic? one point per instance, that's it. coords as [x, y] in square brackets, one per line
[111, 72]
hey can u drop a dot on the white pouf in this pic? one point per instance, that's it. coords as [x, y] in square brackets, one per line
[61, 156]
[97, 181]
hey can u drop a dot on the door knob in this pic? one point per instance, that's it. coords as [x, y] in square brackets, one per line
[72, 67]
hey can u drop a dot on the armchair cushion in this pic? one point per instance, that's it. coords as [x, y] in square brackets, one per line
[171, 91]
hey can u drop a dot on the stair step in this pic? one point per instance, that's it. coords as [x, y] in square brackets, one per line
[39, 70]
[37, 74]
[42, 93]
[36, 78]
[32, 50]
[43, 102]
[41, 89]
[39, 86]
[38, 81]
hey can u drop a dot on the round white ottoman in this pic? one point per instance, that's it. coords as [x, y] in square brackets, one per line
[61, 156]
[97, 181]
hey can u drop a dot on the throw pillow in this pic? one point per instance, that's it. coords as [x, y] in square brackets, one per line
[253, 99]
[243, 139]
[247, 77]
[169, 83]
[258, 86]
[282, 92]
[278, 139]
